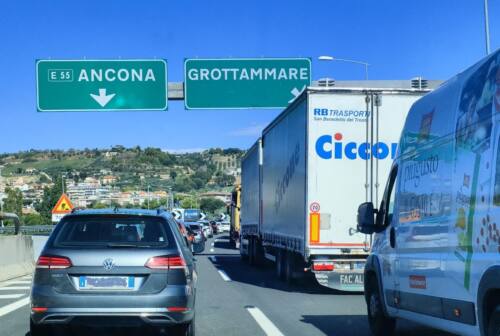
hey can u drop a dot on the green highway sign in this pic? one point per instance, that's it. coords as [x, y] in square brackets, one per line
[101, 85]
[244, 83]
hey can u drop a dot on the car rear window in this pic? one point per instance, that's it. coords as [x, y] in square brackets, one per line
[115, 231]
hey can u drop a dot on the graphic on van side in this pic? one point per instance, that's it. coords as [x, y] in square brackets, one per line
[327, 149]
[475, 133]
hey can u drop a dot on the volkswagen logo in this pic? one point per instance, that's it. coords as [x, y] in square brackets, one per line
[108, 264]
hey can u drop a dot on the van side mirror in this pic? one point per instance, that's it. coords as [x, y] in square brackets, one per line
[366, 218]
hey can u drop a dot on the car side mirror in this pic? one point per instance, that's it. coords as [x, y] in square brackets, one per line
[366, 218]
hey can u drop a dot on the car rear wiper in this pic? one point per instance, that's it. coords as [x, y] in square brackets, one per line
[125, 245]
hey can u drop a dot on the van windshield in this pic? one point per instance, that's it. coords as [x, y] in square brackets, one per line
[104, 231]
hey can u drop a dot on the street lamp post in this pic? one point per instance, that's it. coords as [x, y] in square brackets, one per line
[331, 58]
[487, 27]
[1, 200]
[148, 196]
[62, 182]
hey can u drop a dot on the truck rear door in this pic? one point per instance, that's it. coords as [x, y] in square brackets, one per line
[353, 138]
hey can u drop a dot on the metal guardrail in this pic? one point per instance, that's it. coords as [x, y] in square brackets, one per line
[28, 229]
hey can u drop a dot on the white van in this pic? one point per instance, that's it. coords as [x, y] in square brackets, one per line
[435, 255]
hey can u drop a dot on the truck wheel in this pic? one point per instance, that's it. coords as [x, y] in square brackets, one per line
[494, 324]
[380, 324]
[244, 257]
[257, 251]
[280, 264]
[289, 267]
[251, 255]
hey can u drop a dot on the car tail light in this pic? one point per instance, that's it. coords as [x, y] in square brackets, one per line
[39, 309]
[177, 309]
[166, 262]
[323, 266]
[53, 262]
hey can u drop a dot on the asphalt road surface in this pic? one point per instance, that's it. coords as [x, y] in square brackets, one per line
[234, 298]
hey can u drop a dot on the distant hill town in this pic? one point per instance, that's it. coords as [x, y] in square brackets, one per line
[117, 176]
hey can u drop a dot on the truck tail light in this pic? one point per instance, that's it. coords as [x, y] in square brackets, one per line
[166, 262]
[323, 266]
[53, 262]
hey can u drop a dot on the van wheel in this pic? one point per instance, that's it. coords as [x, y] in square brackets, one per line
[494, 324]
[380, 324]
[39, 330]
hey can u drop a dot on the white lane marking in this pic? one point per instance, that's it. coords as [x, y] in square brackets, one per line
[213, 259]
[10, 296]
[14, 306]
[19, 282]
[14, 288]
[224, 275]
[269, 328]
[26, 277]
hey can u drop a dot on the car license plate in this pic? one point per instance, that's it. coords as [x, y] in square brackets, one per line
[106, 282]
[351, 279]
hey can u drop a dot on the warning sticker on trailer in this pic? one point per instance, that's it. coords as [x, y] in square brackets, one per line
[314, 207]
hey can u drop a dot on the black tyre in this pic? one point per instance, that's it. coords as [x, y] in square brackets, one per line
[257, 253]
[494, 324]
[251, 250]
[187, 329]
[280, 264]
[289, 268]
[243, 256]
[39, 330]
[380, 324]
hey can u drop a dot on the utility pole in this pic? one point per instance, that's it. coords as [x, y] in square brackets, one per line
[148, 197]
[1, 199]
[487, 27]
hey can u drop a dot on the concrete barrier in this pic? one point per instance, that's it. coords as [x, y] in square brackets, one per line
[38, 244]
[16, 256]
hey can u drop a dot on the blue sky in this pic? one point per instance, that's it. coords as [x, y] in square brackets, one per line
[401, 39]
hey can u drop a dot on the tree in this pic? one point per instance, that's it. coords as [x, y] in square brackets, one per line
[211, 204]
[184, 184]
[224, 180]
[98, 205]
[50, 198]
[34, 219]
[188, 202]
[14, 201]
[173, 175]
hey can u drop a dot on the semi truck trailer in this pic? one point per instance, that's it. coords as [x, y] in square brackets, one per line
[303, 180]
